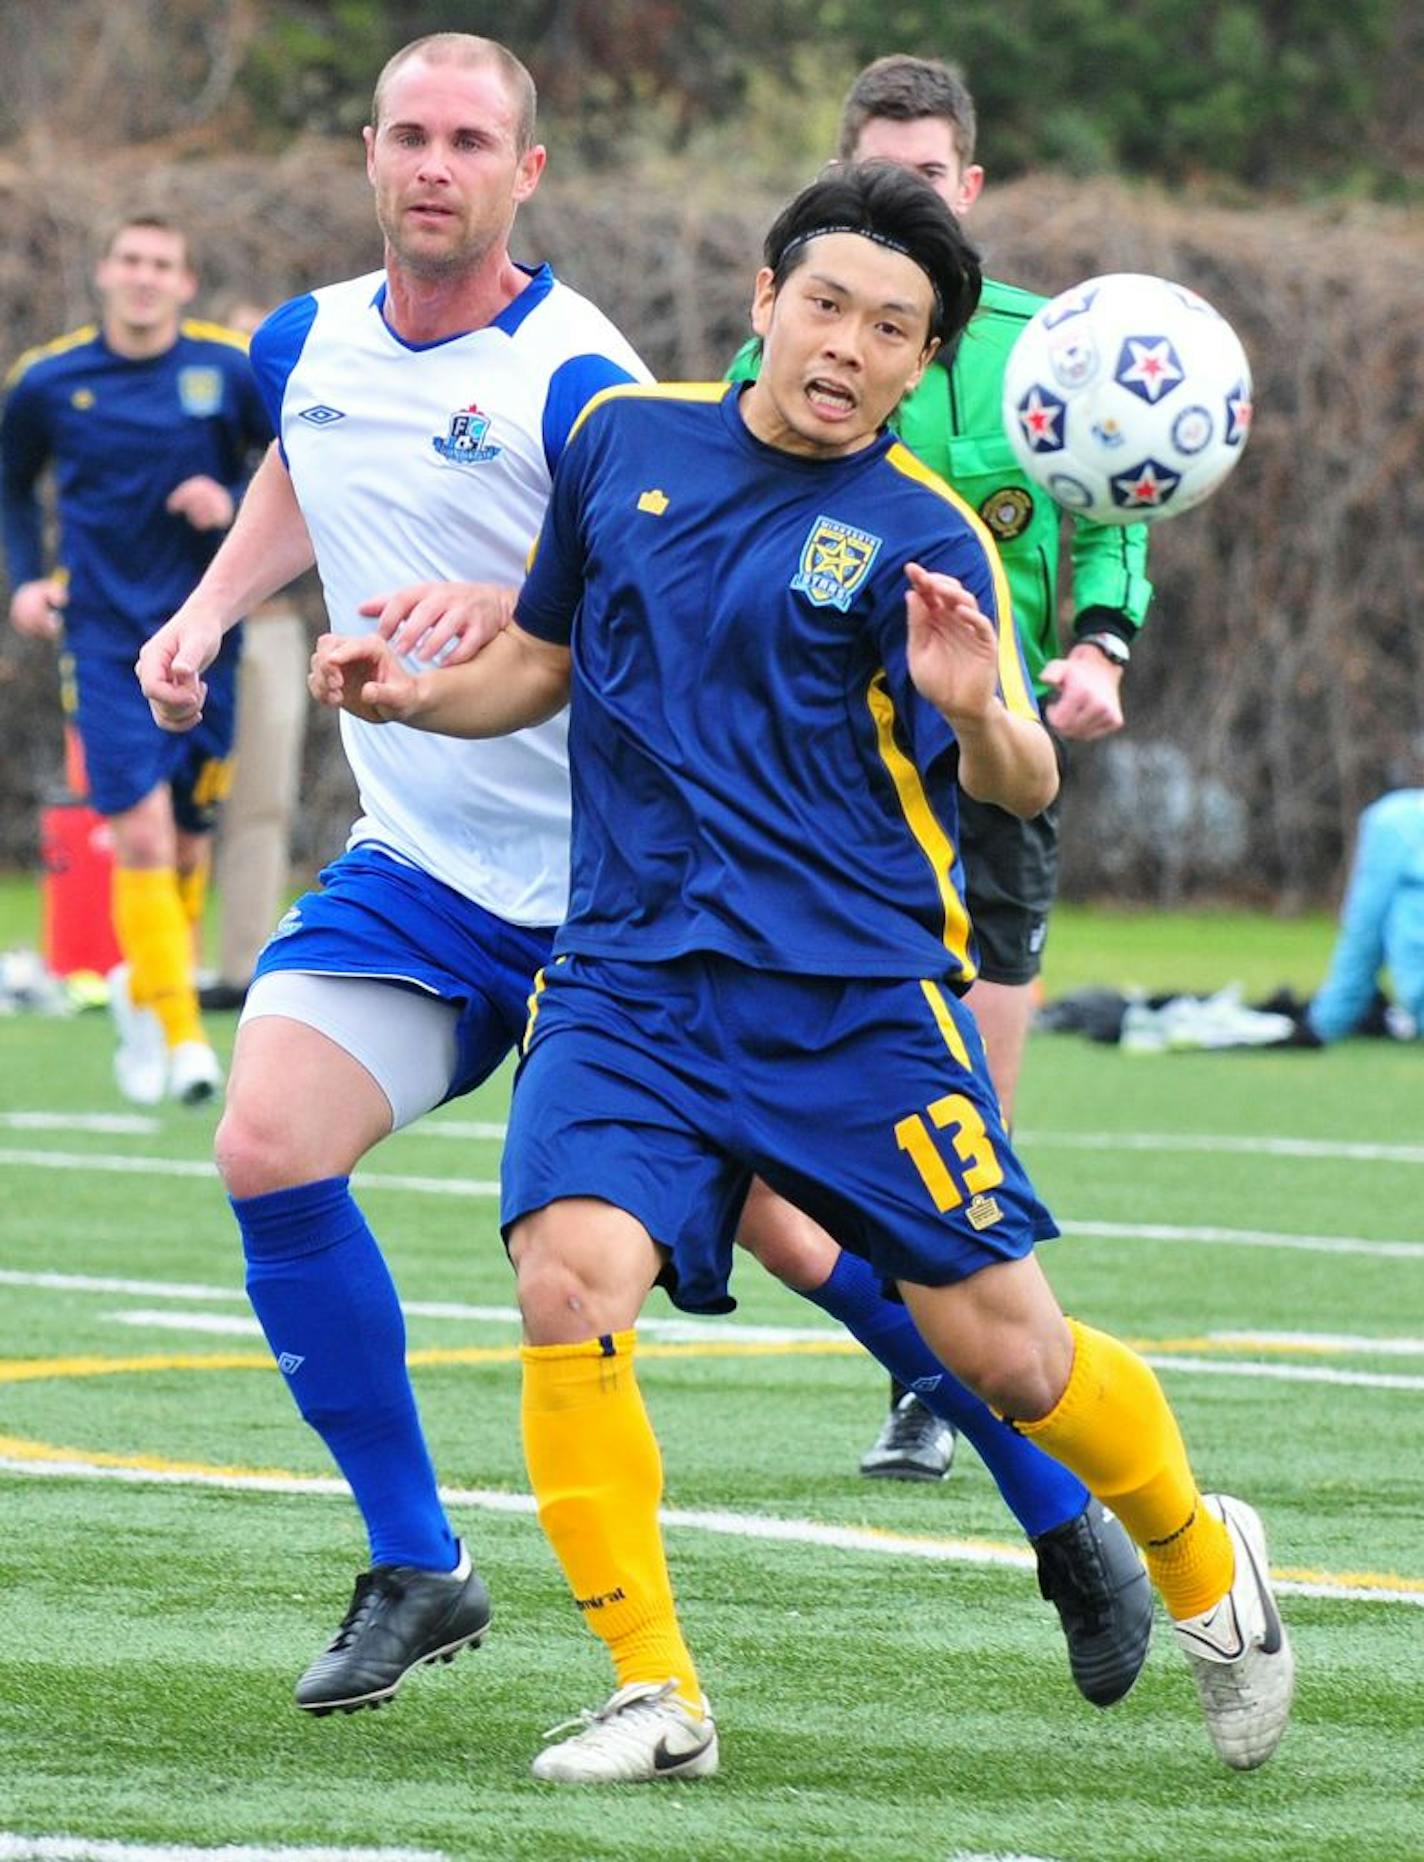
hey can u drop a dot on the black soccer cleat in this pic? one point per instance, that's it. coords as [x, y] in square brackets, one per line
[913, 1445]
[400, 1616]
[1090, 1571]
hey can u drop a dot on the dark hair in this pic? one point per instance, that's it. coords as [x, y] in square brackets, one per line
[904, 89]
[467, 49]
[895, 208]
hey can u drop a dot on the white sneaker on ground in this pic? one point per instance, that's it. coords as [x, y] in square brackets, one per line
[1239, 1652]
[194, 1073]
[141, 1058]
[644, 1732]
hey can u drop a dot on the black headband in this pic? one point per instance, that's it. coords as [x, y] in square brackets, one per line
[879, 239]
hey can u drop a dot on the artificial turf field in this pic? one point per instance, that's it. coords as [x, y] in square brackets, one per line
[887, 1682]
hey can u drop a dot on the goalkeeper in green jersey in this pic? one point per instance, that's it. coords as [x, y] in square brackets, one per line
[918, 113]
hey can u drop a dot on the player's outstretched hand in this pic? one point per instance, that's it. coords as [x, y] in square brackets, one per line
[35, 606]
[450, 621]
[1088, 702]
[953, 647]
[171, 665]
[361, 675]
[205, 503]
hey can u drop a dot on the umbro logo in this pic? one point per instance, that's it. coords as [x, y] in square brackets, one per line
[321, 415]
[289, 1363]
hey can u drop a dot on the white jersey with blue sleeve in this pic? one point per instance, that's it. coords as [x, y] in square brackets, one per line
[434, 462]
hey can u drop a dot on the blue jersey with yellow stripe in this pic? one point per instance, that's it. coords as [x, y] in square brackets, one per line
[120, 434]
[753, 771]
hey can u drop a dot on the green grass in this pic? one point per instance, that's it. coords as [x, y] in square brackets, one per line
[881, 1707]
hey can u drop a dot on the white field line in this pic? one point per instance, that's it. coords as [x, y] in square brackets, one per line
[1086, 1141]
[1326, 1341]
[719, 1522]
[1284, 1373]
[669, 1331]
[692, 1331]
[15, 1848]
[1245, 1238]
[1226, 1142]
[78, 1161]
[127, 1166]
[119, 1124]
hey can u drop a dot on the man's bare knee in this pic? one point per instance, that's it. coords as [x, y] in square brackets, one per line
[786, 1242]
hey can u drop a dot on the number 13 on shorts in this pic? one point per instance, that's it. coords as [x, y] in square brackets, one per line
[979, 1167]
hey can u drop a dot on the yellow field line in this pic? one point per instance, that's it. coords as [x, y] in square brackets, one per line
[31, 1370]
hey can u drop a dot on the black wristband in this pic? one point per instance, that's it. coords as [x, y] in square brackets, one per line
[1104, 621]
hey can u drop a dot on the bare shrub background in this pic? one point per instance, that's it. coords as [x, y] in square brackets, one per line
[1280, 681]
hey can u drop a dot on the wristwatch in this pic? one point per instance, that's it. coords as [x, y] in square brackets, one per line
[1112, 647]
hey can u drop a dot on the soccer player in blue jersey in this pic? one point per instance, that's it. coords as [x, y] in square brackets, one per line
[421, 410]
[783, 642]
[146, 420]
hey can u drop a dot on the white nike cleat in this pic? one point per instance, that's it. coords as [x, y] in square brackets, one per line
[141, 1058]
[643, 1733]
[1239, 1652]
[194, 1073]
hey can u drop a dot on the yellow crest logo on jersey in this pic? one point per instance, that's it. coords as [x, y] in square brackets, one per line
[983, 1212]
[201, 391]
[83, 399]
[654, 502]
[835, 560]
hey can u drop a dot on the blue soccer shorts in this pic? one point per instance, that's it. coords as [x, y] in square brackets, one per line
[663, 1088]
[378, 916]
[127, 755]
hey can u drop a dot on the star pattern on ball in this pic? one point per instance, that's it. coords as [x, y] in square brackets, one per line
[1040, 415]
[1149, 366]
[1146, 487]
[1238, 414]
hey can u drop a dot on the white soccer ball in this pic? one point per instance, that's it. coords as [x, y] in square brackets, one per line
[1128, 398]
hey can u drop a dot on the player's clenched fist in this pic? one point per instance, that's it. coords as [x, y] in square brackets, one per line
[363, 676]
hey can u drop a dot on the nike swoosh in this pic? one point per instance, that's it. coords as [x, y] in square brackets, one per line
[1271, 1641]
[665, 1761]
[1209, 1641]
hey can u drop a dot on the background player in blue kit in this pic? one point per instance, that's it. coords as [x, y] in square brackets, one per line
[146, 421]
[779, 633]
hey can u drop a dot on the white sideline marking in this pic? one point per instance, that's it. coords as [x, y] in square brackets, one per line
[693, 1331]
[719, 1522]
[229, 1324]
[91, 1849]
[1223, 1142]
[193, 1167]
[1246, 1238]
[485, 1129]
[1285, 1373]
[1328, 1341]
[671, 1331]
[1081, 1141]
[118, 1123]
[480, 1188]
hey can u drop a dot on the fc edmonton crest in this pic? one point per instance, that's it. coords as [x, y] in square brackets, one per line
[835, 560]
[200, 391]
[465, 443]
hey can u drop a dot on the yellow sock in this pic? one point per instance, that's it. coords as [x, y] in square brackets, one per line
[155, 938]
[193, 897]
[1115, 1429]
[597, 1474]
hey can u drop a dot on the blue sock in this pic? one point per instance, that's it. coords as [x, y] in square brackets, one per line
[1039, 1491]
[320, 1287]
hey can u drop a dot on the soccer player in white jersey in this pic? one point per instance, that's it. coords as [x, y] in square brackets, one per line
[420, 412]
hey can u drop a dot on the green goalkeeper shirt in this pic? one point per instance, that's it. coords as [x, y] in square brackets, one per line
[954, 422]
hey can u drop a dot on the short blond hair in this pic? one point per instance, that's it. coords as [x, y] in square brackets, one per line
[467, 48]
